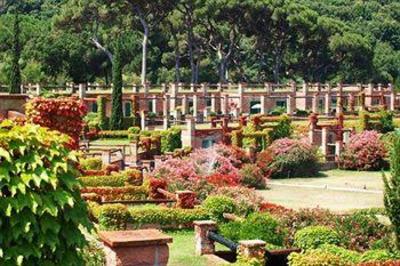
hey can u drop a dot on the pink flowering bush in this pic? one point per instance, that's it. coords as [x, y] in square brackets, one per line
[365, 151]
[201, 172]
[287, 158]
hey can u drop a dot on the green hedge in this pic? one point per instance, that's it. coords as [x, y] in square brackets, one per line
[118, 216]
[315, 258]
[91, 163]
[119, 193]
[116, 180]
[315, 236]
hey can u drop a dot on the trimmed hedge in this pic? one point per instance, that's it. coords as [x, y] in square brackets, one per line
[315, 258]
[119, 193]
[118, 216]
[128, 177]
[91, 163]
[216, 206]
[314, 236]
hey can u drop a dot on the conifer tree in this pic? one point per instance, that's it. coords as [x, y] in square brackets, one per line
[15, 75]
[116, 111]
[392, 190]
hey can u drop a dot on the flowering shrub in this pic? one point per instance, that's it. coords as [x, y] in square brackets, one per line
[201, 172]
[253, 176]
[312, 237]
[62, 114]
[365, 151]
[155, 184]
[287, 158]
[315, 257]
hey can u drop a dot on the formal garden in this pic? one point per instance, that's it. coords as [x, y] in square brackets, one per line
[196, 133]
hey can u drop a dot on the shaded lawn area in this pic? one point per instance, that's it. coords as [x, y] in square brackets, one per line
[182, 250]
[336, 190]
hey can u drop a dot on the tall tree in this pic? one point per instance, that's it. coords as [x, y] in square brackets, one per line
[15, 74]
[117, 111]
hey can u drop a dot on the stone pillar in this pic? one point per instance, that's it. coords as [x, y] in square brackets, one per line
[263, 103]
[315, 103]
[38, 89]
[339, 99]
[192, 87]
[324, 141]
[338, 148]
[143, 120]
[174, 95]
[204, 88]
[368, 95]
[328, 99]
[164, 88]
[392, 97]
[106, 157]
[82, 91]
[241, 98]
[139, 247]
[134, 88]
[225, 108]
[252, 249]
[290, 106]
[165, 123]
[154, 104]
[184, 105]
[166, 105]
[195, 106]
[203, 244]
[268, 88]
[213, 103]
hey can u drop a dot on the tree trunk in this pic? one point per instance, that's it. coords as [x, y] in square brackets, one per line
[177, 67]
[101, 47]
[144, 53]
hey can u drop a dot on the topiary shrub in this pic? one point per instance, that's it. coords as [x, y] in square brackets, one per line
[349, 256]
[287, 158]
[365, 151]
[91, 163]
[113, 217]
[262, 226]
[376, 256]
[216, 206]
[315, 258]
[312, 237]
[283, 129]
[252, 176]
[40, 203]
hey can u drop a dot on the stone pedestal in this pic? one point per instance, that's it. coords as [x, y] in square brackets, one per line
[249, 249]
[136, 248]
[203, 244]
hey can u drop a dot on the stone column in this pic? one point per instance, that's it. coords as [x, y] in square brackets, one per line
[106, 157]
[82, 91]
[203, 244]
[263, 103]
[392, 98]
[241, 98]
[324, 141]
[225, 109]
[195, 106]
[192, 87]
[184, 105]
[135, 88]
[290, 105]
[369, 95]
[154, 104]
[339, 99]
[315, 103]
[328, 99]
[164, 88]
[174, 95]
[139, 247]
[338, 148]
[252, 249]
[213, 103]
[143, 120]
[37, 89]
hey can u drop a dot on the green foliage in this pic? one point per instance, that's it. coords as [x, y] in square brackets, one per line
[91, 163]
[376, 255]
[252, 176]
[40, 203]
[381, 122]
[91, 119]
[114, 180]
[216, 206]
[256, 226]
[116, 119]
[283, 129]
[171, 139]
[101, 113]
[113, 217]
[392, 190]
[315, 258]
[312, 237]
[349, 256]
[93, 254]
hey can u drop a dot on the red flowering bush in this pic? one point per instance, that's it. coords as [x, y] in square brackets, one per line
[155, 184]
[223, 180]
[62, 114]
[365, 151]
[287, 158]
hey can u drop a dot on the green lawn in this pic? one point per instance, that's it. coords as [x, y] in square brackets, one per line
[336, 190]
[123, 141]
[182, 250]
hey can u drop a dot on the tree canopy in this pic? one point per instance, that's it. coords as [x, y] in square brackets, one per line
[203, 40]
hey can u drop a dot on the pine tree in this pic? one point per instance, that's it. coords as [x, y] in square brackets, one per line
[116, 111]
[15, 75]
[392, 190]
